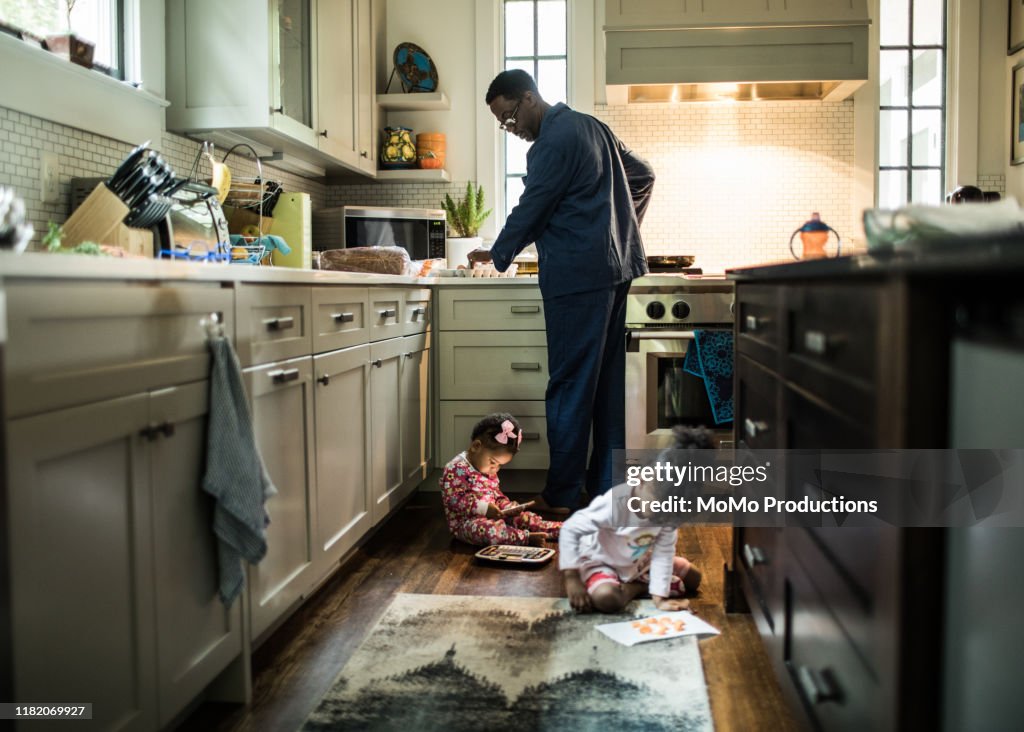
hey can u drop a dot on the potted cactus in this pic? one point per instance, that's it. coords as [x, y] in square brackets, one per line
[73, 48]
[465, 217]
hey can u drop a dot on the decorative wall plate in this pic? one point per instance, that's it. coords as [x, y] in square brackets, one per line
[415, 68]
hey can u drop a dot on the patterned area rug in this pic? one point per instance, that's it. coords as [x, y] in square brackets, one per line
[515, 664]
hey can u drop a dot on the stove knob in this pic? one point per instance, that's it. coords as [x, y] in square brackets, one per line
[655, 310]
[680, 310]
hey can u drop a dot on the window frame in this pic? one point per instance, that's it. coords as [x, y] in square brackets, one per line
[536, 58]
[943, 107]
[83, 98]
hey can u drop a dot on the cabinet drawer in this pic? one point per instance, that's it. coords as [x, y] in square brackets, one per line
[457, 419]
[340, 317]
[273, 323]
[387, 313]
[812, 424]
[417, 311]
[838, 691]
[757, 395]
[832, 338]
[757, 322]
[490, 308]
[76, 343]
[475, 365]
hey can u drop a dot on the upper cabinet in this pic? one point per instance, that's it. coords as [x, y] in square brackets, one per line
[288, 76]
[684, 13]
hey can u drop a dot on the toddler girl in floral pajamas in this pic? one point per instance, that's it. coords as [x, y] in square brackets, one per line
[476, 509]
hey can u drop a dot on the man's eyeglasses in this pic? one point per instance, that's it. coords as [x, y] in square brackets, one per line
[509, 121]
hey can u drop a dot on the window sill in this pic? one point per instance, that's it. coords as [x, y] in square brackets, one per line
[52, 88]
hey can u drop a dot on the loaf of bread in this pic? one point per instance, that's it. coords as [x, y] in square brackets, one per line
[381, 260]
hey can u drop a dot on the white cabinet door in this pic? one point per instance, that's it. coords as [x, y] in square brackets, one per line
[344, 512]
[366, 107]
[197, 637]
[282, 409]
[81, 562]
[415, 360]
[385, 425]
[336, 64]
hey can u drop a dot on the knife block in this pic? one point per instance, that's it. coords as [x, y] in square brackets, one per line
[95, 220]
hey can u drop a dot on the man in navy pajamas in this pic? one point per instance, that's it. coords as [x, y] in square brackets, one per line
[584, 198]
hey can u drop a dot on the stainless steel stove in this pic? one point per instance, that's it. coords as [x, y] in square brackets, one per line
[663, 311]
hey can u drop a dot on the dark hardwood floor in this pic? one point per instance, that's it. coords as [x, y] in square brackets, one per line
[413, 552]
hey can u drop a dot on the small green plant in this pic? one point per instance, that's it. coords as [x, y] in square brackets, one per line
[466, 216]
[52, 237]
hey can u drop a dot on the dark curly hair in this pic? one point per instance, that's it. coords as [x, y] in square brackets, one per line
[511, 84]
[490, 426]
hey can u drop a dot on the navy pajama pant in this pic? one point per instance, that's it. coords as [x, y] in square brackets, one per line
[586, 392]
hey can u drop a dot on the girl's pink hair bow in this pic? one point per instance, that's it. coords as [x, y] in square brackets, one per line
[508, 430]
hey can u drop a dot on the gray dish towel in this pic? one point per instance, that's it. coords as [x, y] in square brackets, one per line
[235, 474]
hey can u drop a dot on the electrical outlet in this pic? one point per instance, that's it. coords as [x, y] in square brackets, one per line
[49, 177]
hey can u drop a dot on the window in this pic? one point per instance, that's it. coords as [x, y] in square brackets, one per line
[535, 41]
[99, 21]
[912, 114]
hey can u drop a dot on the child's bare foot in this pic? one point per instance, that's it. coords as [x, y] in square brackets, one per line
[537, 538]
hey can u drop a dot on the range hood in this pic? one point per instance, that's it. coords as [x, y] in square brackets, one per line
[742, 50]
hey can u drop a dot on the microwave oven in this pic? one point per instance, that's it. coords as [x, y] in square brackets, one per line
[420, 231]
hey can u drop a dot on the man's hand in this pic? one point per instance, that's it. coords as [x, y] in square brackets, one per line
[670, 605]
[537, 538]
[576, 591]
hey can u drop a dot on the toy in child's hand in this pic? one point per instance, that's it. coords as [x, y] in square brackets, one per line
[516, 509]
[515, 554]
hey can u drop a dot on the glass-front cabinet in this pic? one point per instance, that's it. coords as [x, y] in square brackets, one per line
[294, 55]
[288, 76]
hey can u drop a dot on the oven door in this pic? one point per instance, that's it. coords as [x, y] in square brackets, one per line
[660, 394]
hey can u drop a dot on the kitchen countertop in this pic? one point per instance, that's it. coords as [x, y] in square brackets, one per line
[41, 265]
[1004, 255]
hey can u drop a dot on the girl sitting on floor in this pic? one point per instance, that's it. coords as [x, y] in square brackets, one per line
[476, 509]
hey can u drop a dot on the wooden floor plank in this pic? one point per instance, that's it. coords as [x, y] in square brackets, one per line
[413, 552]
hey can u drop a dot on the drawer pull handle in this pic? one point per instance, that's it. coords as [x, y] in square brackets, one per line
[816, 342]
[344, 317]
[279, 323]
[325, 379]
[167, 429]
[284, 376]
[416, 312]
[754, 427]
[377, 362]
[526, 366]
[752, 323]
[817, 686]
[149, 432]
[527, 436]
[389, 313]
[525, 309]
[754, 556]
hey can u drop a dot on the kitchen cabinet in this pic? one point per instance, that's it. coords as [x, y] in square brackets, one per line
[837, 357]
[112, 561]
[676, 14]
[414, 398]
[492, 357]
[344, 512]
[292, 76]
[282, 412]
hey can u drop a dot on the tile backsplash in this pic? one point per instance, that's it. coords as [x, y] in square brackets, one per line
[735, 180]
[82, 154]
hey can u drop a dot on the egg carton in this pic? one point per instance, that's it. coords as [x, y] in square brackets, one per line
[479, 270]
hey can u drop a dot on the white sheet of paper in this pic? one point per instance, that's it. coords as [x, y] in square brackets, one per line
[629, 633]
